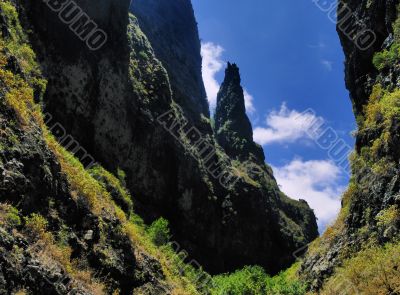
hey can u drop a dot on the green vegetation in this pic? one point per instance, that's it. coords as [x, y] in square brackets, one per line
[382, 107]
[381, 115]
[36, 227]
[20, 92]
[375, 270]
[17, 43]
[159, 232]
[254, 281]
[389, 57]
[388, 217]
[121, 176]
[9, 216]
[115, 186]
[241, 169]
[148, 76]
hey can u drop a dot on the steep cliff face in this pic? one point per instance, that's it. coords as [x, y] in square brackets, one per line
[61, 230]
[356, 20]
[172, 30]
[116, 104]
[370, 217]
[372, 77]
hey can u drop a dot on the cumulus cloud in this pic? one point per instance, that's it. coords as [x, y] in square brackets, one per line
[286, 126]
[317, 182]
[212, 65]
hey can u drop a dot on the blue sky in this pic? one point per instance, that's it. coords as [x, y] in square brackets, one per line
[290, 60]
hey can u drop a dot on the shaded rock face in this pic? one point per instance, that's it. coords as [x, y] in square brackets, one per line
[360, 73]
[372, 192]
[31, 179]
[172, 30]
[232, 126]
[380, 191]
[122, 106]
[109, 16]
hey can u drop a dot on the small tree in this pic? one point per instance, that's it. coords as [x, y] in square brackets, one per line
[159, 232]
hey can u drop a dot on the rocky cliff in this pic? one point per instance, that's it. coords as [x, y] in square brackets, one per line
[354, 253]
[172, 30]
[61, 230]
[120, 105]
[83, 86]
[232, 126]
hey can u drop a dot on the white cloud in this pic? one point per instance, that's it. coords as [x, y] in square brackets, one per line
[248, 101]
[327, 64]
[317, 182]
[212, 65]
[286, 126]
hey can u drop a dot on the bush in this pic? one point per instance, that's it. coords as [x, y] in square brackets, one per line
[36, 227]
[12, 218]
[121, 176]
[388, 217]
[9, 216]
[373, 271]
[391, 56]
[252, 280]
[387, 58]
[159, 232]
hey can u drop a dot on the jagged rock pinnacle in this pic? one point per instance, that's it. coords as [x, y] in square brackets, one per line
[233, 128]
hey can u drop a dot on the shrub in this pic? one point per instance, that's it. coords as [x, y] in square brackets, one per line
[388, 217]
[252, 280]
[379, 60]
[373, 271]
[12, 218]
[159, 232]
[36, 227]
[382, 111]
[9, 216]
[387, 58]
[121, 176]
[391, 56]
